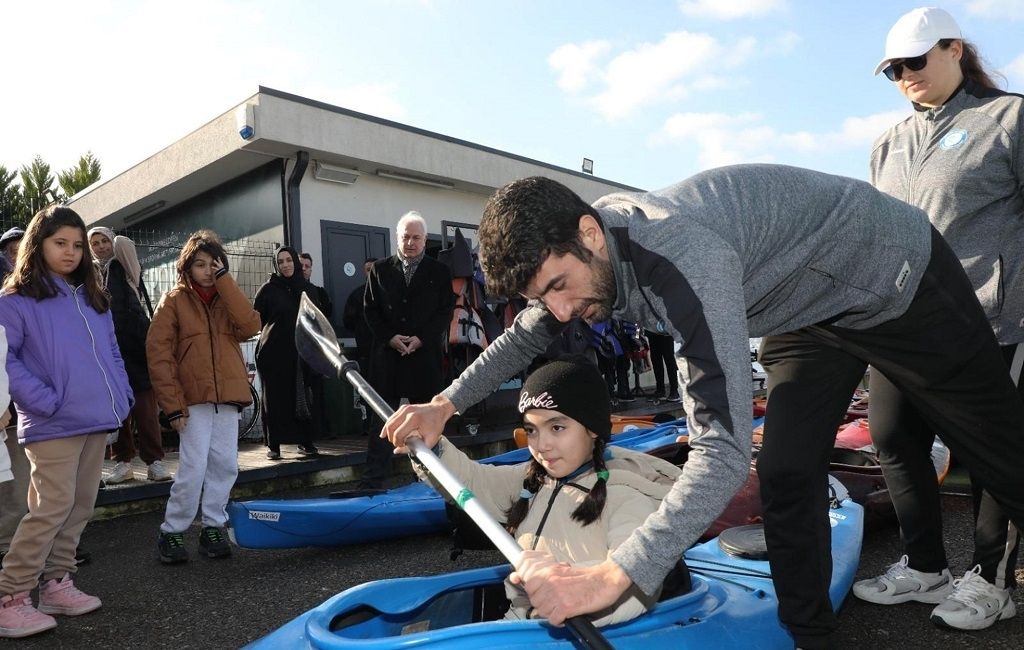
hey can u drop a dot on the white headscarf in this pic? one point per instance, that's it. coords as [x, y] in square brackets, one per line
[125, 253]
[102, 265]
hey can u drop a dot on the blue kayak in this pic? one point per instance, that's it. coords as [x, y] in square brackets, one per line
[732, 605]
[357, 516]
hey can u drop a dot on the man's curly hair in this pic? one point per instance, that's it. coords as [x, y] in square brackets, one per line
[522, 224]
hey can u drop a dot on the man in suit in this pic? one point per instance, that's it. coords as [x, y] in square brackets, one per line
[408, 306]
[314, 380]
[322, 298]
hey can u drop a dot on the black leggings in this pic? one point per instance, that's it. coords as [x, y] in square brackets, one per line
[942, 355]
[904, 441]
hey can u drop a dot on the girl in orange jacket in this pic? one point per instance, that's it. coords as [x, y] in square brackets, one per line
[195, 363]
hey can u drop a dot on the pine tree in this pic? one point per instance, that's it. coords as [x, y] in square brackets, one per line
[75, 179]
[13, 210]
[37, 185]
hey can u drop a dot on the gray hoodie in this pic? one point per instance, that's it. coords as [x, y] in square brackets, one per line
[963, 164]
[749, 250]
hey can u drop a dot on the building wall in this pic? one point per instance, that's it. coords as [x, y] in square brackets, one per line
[375, 201]
[247, 214]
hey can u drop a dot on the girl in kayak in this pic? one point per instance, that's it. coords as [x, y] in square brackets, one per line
[577, 499]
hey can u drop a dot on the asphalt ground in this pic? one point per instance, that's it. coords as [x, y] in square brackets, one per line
[227, 603]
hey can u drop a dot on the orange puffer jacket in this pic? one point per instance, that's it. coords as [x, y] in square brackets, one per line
[193, 349]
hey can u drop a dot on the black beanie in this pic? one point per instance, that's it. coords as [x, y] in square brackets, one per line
[573, 387]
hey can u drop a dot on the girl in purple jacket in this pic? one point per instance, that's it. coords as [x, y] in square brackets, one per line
[70, 389]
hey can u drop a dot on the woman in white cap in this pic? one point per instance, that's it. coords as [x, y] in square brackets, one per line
[960, 158]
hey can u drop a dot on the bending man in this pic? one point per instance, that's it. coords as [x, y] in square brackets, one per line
[834, 274]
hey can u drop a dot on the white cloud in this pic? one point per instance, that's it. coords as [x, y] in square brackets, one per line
[784, 43]
[1014, 71]
[668, 70]
[577, 64]
[729, 9]
[1010, 9]
[724, 139]
[858, 131]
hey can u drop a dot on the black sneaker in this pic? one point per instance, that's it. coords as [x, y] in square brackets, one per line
[274, 454]
[213, 543]
[309, 451]
[674, 397]
[172, 548]
[82, 557]
[626, 398]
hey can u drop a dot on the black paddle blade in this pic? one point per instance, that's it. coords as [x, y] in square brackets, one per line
[315, 340]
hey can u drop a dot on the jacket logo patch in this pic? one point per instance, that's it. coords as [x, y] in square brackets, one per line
[953, 139]
[901, 279]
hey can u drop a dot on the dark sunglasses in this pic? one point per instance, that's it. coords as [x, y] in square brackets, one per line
[894, 71]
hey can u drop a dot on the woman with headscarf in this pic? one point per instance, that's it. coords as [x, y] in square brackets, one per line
[286, 405]
[121, 276]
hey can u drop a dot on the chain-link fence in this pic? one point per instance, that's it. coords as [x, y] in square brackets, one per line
[249, 260]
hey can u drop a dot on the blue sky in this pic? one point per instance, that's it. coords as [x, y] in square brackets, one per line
[652, 91]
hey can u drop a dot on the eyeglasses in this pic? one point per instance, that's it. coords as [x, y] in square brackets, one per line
[894, 71]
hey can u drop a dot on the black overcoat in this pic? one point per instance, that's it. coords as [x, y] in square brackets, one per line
[130, 326]
[423, 309]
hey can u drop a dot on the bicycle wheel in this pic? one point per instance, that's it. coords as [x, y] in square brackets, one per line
[249, 415]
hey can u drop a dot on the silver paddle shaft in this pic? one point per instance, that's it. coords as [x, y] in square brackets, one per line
[452, 485]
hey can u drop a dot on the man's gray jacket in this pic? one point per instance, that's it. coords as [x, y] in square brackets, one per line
[748, 250]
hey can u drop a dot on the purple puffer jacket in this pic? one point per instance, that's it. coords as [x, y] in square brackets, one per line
[66, 374]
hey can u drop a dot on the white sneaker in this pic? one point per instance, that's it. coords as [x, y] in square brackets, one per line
[121, 473]
[900, 584]
[157, 472]
[975, 604]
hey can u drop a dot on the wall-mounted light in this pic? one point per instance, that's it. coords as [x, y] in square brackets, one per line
[144, 212]
[334, 174]
[588, 166]
[445, 185]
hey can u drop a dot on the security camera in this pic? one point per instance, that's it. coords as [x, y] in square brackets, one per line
[245, 118]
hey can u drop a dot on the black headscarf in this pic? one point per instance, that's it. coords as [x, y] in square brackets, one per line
[296, 282]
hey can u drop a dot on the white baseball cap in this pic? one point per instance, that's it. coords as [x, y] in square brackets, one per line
[916, 32]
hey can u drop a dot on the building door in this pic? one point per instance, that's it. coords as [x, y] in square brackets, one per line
[345, 247]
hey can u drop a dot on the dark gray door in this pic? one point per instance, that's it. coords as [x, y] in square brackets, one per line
[345, 247]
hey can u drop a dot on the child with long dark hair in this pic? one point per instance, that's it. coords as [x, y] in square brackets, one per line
[195, 364]
[70, 389]
[577, 499]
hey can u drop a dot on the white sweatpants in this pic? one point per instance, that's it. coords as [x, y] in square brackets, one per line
[207, 468]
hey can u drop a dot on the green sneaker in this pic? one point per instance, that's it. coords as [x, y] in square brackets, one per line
[172, 548]
[213, 543]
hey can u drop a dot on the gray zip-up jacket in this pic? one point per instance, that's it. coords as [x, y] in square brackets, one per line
[963, 164]
[741, 251]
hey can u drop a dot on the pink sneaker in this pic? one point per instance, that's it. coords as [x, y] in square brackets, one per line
[19, 618]
[63, 597]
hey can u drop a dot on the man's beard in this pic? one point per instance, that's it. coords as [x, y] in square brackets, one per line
[603, 298]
